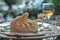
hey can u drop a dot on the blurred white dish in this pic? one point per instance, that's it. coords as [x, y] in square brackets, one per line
[54, 28]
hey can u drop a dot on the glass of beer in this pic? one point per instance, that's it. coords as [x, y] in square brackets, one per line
[48, 10]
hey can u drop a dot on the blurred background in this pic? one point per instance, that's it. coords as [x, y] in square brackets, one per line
[9, 9]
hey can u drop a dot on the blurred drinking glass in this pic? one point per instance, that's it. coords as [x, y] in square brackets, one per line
[1, 18]
[40, 17]
[48, 10]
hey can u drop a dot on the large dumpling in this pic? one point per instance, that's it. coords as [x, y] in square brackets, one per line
[23, 25]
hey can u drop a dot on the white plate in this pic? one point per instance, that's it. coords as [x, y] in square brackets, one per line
[54, 28]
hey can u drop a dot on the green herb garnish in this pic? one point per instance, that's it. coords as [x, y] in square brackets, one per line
[35, 31]
[49, 30]
[40, 25]
[41, 30]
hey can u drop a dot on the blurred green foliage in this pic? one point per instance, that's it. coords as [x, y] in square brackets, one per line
[57, 6]
[10, 2]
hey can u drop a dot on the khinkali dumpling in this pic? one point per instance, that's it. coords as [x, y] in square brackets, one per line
[23, 25]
